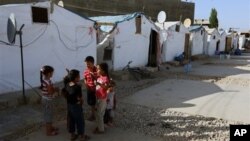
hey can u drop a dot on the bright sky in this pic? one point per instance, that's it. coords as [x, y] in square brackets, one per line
[231, 13]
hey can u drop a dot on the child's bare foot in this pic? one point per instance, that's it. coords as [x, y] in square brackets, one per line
[55, 128]
[97, 131]
[52, 133]
[110, 124]
[84, 137]
[91, 118]
[73, 137]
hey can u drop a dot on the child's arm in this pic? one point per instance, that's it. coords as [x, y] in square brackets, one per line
[79, 95]
[105, 86]
[80, 100]
[52, 90]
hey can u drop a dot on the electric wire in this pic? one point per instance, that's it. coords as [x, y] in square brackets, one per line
[37, 38]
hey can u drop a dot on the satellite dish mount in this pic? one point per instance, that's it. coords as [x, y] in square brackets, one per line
[11, 33]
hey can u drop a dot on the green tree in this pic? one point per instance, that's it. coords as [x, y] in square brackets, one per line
[214, 23]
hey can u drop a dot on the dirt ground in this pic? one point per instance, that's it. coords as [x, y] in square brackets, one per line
[151, 121]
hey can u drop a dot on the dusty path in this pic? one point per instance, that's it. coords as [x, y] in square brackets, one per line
[179, 115]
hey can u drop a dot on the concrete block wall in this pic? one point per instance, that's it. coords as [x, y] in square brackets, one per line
[174, 8]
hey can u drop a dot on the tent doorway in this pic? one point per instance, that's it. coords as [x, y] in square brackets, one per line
[106, 49]
[187, 49]
[218, 45]
[228, 44]
[152, 54]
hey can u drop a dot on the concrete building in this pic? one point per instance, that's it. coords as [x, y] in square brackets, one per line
[175, 9]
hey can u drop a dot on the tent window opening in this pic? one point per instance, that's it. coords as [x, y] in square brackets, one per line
[177, 28]
[107, 54]
[138, 25]
[39, 15]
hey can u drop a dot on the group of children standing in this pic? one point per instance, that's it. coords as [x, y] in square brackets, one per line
[100, 97]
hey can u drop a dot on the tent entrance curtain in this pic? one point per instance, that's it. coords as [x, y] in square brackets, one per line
[228, 44]
[218, 45]
[187, 49]
[152, 54]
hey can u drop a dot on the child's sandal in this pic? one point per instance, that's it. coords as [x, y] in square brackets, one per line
[96, 131]
[52, 133]
[55, 129]
[73, 137]
[85, 138]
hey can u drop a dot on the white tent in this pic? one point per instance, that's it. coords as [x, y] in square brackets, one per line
[174, 40]
[242, 40]
[63, 42]
[213, 41]
[229, 41]
[223, 35]
[198, 40]
[127, 38]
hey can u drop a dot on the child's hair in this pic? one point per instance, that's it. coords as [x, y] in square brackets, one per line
[90, 59]
[73, 74]
[44, 71]
[66, 78]
[105, 68]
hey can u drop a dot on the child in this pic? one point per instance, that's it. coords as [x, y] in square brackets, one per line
[90, 76]
[111, 105]
[101, 96]
[48, 94]
[75, 102]
[65, 94]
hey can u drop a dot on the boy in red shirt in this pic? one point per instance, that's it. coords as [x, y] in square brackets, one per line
[90, 75]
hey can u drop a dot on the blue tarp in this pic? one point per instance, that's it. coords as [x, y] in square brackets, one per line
[113, 19]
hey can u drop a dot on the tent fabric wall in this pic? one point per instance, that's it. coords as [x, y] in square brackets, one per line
[64, 42]
[212, 39]
[197, 43]
[198, 40]
[223, 36]
[242, 40]
[172, 42]
[129, 45]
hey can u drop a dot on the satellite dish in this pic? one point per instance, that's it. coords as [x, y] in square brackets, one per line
[11, 28]
[11, 33]
[187, 22]
[60, 3]
[162, 17]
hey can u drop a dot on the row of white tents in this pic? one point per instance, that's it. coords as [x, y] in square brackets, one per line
[68, 38]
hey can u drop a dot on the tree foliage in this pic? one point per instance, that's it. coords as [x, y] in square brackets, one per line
[214, 22]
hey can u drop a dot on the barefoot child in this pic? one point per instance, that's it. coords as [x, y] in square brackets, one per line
[111, 105]
[48, 94]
